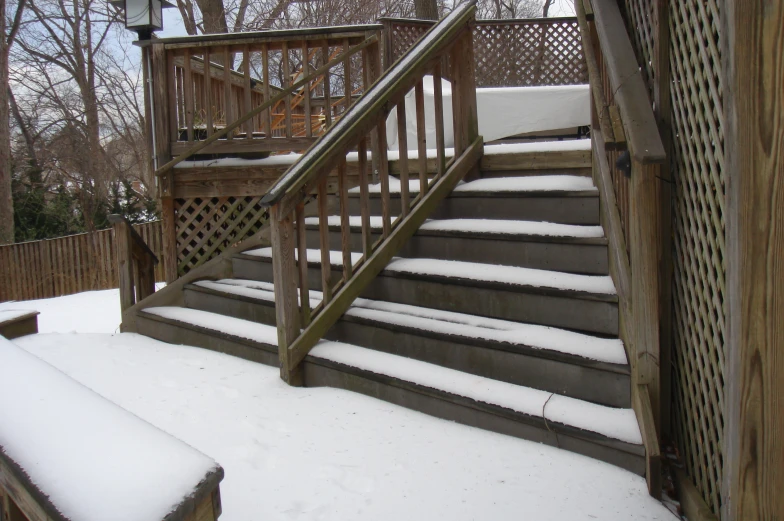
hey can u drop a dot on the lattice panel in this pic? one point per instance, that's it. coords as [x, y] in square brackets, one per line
[515, 53]
[640, 25]
[698, 222]
[206, 227]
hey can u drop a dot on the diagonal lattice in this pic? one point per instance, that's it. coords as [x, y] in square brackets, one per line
[205, 227]
[514, 53]
[698, 229]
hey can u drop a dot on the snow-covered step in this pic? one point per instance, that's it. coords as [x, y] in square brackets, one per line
[565, 300]
[569, 363]
[606, 433]
[566, 199]
[527, 244]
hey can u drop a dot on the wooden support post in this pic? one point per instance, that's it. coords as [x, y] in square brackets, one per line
[169, 239]
[122, 241]
[284, 277]
[754, 163]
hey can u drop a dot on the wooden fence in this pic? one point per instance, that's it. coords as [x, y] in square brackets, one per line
[55, 267]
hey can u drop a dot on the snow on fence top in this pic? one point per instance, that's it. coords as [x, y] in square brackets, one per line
[83, 458]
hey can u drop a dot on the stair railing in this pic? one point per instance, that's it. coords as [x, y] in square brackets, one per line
[135, 262]
[628, 155]
[446, 51]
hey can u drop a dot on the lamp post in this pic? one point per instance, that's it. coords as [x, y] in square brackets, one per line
[143, 16]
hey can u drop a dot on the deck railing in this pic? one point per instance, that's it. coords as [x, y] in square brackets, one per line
[628, 155]
[135, 262]
[299, 325]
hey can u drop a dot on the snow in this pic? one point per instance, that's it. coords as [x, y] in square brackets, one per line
[7, 315]
[254, 331]
[574, 183]
[609, 350]
[299, 453]
[476, 271]
[566, 145]
[509, 227]
[620, 424]
[502, 112]
[70, 441]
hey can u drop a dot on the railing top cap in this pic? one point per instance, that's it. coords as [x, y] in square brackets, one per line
[374, 99]
[282, 34]
[486, 21]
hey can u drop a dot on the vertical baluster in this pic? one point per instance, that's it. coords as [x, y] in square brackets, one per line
[286, 84]
[364, 199]
[345, 225]
[327, 87]
[383, 173]
[302, 254]
[208, 91]
[346, 77]
[172, 86]
[439, 114]
[247, 90]
[267, 117]
[305, 74]
[419, 95]
[458, 88]
[227, 88]
[326, 268]
[402, 146]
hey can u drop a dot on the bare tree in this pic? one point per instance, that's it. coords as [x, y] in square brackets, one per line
[6, 198]
[426, 9]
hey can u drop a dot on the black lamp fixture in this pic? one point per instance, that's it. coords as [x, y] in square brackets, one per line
[142, 16]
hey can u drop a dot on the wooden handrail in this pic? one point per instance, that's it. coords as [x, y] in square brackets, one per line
[401, 74]
[629, 92]
[450, 42]
[284, 93]
[257, 37]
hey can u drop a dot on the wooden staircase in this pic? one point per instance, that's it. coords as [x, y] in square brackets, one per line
[498, 313]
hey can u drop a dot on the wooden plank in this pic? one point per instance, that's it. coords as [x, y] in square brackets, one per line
[18, 499]
[208, 92]
[284, 279]
[383, 174]
[227, 94]
[327, 86]
[644, 411]
[629, 89]
[402, 145]
[187, 85]
[438, 100]
[419, 97]
[273, 37]
[306, 90]
[247, 91]
[345, 228]
[124, 265]
[326, 268]
[381, 256]
[346, 78]
[302, 251]
[165, 98]
[286, 84]
[246, 146]
[364, 199]
[267, 114]
[753, 79]
[169, 238]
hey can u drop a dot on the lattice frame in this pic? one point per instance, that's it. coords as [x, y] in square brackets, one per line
[205, 227]
[698, 231]
[513, 53]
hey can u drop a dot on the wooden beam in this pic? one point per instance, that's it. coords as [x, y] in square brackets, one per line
[752, 47]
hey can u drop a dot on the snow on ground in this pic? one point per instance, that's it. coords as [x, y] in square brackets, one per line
[292, 453]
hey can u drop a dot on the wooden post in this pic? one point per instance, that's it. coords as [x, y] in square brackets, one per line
[284, 277]
[754, 162]
[122, 238]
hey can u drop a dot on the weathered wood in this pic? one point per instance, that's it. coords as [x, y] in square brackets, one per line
[272, 38]
[169, 238]
[383, 175]
[326, 267]
[364, 202]
[438, 100]
[227, 94]
[644, 411]
[382, 255]
[402, 146]
[286, 84]
[302, 253]
[694, 507]
[345, 229]
[247, 90]
[284, 280]
[752, 47]
[630, 93]
[187, 84]
[124, 265]
[160, 105]
[267, 112]
[327, 86]
[306, 89]
[419, 104]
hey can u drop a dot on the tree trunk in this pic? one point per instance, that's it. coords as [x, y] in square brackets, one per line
[426, 9]
[6, 201]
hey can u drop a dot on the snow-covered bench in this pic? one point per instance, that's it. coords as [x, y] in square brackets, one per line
[18, 322]
[67, 453]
